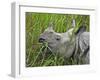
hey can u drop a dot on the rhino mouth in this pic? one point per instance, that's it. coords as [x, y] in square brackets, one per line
[41, 40]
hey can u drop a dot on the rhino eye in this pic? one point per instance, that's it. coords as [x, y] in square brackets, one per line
[57, 39]
[50, 32]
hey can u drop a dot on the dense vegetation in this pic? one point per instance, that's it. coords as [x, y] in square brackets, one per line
[36, 23]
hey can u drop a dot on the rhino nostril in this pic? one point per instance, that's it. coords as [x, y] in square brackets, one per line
[41, 40]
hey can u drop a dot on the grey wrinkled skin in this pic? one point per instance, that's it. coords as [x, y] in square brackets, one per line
[81, 54]
[67, 44]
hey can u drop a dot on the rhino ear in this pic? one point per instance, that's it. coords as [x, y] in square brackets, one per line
[70, 31]
[51, 25]
[50, 28]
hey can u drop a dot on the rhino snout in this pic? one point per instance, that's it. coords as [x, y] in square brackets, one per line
[41, 40]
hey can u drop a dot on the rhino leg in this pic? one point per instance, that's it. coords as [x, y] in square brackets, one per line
[85, 58]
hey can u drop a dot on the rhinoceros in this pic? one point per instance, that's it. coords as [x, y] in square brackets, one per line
[69, 43]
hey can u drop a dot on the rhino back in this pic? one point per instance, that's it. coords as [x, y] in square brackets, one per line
[84, 41]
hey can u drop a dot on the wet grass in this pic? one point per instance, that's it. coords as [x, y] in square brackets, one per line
[36, 23]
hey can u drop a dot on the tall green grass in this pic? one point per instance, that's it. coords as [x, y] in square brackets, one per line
[36, 23]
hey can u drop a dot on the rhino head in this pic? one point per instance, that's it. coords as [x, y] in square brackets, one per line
[56, 41]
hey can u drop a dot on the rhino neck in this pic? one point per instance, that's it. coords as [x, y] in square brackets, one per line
[67, 48]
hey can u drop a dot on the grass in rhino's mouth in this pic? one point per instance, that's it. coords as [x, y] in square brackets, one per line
[43, 58]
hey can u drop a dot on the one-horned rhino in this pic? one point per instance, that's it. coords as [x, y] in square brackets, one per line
[68, 44]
